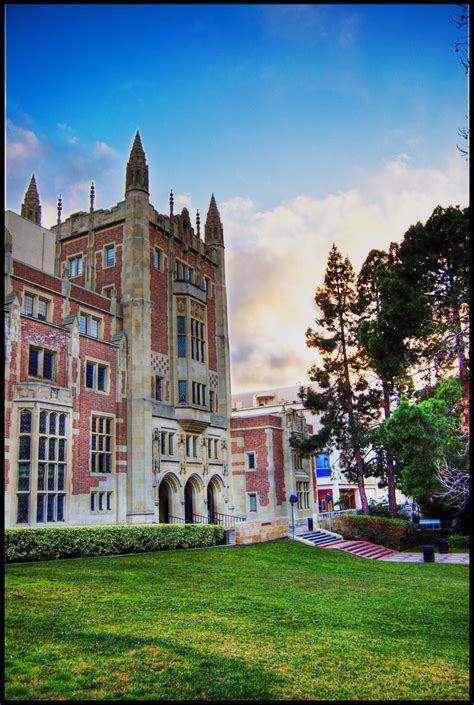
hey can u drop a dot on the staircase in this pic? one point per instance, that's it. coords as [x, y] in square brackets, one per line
[318, 537]
[328, 539]
[363, 549]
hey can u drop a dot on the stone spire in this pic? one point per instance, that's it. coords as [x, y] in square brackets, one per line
[137, 168]
[213, 228]
[31, 208]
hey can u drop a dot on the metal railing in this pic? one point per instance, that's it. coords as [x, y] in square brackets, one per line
[228, 521]
[326, 519]
[199, 519]
[175, 520]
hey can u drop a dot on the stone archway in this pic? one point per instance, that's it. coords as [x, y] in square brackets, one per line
[168, 505]
[215, 498]
[194, 500]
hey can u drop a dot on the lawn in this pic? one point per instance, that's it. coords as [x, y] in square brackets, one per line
[275, 621]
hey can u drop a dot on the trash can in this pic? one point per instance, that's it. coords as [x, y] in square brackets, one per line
[428, 553]
[443, 545]
[230, 537]
[310, 523]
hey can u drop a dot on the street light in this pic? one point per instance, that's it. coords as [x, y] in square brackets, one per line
[293, 500]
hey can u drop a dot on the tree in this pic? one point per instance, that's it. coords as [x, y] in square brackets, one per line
[344, 400]
[390, 311]
[425, 436]
[435, 260]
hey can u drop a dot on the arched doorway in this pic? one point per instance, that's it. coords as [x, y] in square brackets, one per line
[215, 498]
[194, 500]
[167, 503]
[188, 503]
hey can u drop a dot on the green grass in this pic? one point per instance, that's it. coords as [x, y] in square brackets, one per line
[275, 621]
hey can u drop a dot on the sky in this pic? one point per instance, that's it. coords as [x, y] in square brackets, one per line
[311, 124]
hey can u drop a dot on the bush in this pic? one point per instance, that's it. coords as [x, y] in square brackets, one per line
[44, 544]
[459, 541]
[392, 533]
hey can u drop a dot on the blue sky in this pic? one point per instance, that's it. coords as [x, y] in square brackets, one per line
[261, 104]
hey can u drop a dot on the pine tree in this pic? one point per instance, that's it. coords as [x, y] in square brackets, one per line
[347, 408]
[435, 258]
[391, 313]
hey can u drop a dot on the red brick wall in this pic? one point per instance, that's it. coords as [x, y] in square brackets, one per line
[110, 275]
[87, 403]
[278, 461]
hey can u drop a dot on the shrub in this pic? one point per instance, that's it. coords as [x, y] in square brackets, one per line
[392, 533]
[43, 544]
[459, 541]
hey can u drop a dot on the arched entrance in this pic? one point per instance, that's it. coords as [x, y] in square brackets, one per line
[215, 498]
[167, 495]
[193, 500]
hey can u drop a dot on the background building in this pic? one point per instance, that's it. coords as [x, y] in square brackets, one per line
[332, 489]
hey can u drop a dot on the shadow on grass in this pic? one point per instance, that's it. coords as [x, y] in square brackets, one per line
[101, 665]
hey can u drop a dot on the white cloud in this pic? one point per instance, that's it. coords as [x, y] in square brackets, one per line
[103, 148]
[73, 140]
[22, 144]
[182, 200]
[277, 258]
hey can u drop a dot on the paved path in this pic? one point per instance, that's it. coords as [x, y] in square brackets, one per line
[459, 558]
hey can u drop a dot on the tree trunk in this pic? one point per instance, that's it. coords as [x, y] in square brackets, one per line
[392, 497]
[360, 481]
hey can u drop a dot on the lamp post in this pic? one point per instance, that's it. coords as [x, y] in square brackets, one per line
[293, 500]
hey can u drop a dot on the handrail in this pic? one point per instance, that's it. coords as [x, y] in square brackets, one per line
[199, 519]
[227, 520]
[175, 520]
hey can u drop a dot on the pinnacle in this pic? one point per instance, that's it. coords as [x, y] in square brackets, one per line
[32, 188]
[213, 211]
[137, 147]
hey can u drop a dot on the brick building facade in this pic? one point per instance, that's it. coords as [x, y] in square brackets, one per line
[117, 372]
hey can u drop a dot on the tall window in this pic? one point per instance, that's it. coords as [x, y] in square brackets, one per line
[110, 256]
[157, 258]
[181, 336]
[182, 391]
[75, 266]
[41, 363]
[199, 394]
[159, 388]
[252, 502]
[197, 340]
[42, 480]
[101, 444]
[251, 461]
[183, 272]
[213, 448]
[167, 443]
[302, 492]
[212, 401]
[191, 446]
[323, 465]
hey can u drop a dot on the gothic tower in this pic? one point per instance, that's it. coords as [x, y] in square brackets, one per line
[214, 238]
[137, 327]
[31, 208]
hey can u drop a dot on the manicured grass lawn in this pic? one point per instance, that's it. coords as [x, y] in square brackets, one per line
[275, 621]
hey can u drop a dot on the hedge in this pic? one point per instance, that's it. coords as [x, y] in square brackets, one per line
[392, 533]
[44, 544]
[458, 541]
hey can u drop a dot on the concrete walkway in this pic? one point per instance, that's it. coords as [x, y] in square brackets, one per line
[452, 558]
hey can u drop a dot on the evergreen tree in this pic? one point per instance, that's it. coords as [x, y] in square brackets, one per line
[435, 259]
[391, 313]
[345, 401]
